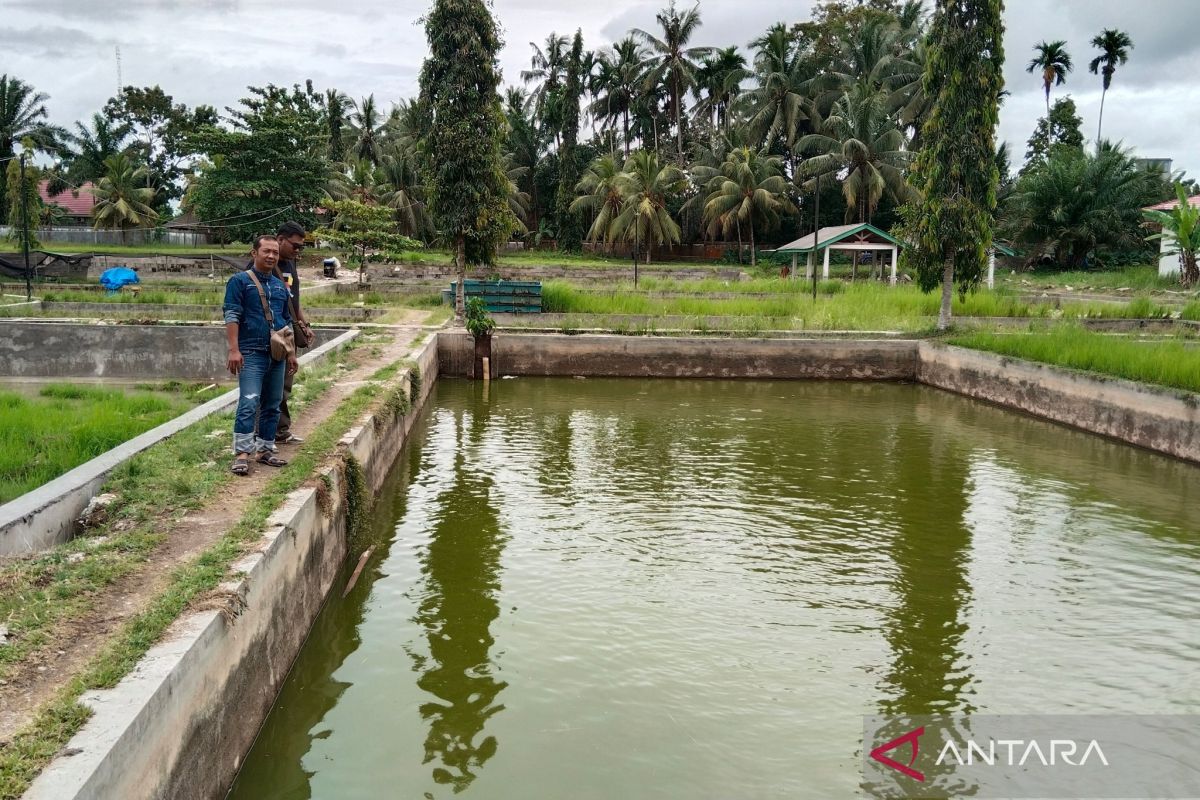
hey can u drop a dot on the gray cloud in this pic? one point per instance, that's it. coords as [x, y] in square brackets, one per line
[208, 51]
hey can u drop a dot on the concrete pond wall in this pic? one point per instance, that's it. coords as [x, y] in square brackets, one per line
[180, 723]
[35, 349]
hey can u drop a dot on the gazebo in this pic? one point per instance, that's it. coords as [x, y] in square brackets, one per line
[862, 236]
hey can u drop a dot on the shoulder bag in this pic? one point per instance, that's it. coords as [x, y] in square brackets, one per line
[302, 332]
[283, 342]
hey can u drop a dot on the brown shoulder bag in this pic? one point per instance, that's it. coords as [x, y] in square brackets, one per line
[283, 342]
[302, 332]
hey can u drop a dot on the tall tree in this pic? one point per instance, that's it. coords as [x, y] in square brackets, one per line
[619, 74]
[1062, 128]
[22, 117]
[400, 188]
[600, 194]
[950, 226]
[466, 181]
[123, 201]
[570, 227]
[23, 224]
[671, 61]
[547, 69]
[718, 83]
[367, 128]
[751, 193]
[161, 129]
[1114, 46]
[86, 149]
[647, 186]
[1054, 61]
[337, 108]
[779, 103]
[861, 141]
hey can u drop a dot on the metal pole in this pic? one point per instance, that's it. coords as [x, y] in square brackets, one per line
[635, 253]
[816, 235]
[25, 233]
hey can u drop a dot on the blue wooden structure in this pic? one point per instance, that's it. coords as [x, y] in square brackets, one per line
[507, 297]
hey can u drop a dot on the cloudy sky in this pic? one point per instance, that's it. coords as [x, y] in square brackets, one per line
[208, 51]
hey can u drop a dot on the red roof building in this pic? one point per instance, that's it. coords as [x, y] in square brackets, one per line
[76, 204]
[1194, 202]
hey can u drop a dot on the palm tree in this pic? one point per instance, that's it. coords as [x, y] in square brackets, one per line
[1054, 62]
[337, 107]
[367, 130]
[23, 116]
[600, 194]
[548, 69]
[122, 198]
[908, 99]
[1114, 48]
[671, 60]
[518, 201]
[524, 146]
[646, 185]
[1181, 227]
[89, 149]
[780, 104]
[399, 186]
[358, 183]
[752, 192]
[619, 74]
[861, 138]
[718, 83]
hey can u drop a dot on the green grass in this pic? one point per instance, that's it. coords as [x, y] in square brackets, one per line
[144, 249]
[839, 306]
[214, 297]
[1165, 362]
[64, 425]
[1140, 278]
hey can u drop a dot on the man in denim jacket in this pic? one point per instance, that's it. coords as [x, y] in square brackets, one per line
[260, 378]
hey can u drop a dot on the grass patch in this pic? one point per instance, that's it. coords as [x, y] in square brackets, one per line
[213, 297]
[57, 583]
[1137, 278]
[1165, 362]
[64, 425]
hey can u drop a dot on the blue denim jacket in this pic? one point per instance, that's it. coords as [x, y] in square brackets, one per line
[243, 307]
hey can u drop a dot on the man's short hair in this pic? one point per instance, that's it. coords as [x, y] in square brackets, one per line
[264, 237]
[291, 228]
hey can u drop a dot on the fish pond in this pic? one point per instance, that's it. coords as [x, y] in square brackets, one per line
[697, 589]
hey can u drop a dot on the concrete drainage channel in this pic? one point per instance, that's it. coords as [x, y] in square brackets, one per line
[46, 516]
[179, 725]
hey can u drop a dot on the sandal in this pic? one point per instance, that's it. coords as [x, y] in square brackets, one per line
[241, 464]
[270, 459]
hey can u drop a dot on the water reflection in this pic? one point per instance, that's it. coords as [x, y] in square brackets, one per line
[461, 571]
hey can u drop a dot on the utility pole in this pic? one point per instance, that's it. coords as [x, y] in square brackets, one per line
[25, 232]
[816, 235]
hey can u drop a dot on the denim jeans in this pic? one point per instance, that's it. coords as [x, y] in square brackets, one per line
[260, 384]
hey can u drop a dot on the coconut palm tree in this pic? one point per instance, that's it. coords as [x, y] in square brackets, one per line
[600, 194]
[122, 198]
[751, 192]
[367, 130]
[1181, 228]
[23, 117]
[860, 139]
[646, 185]
[1054, 62]
[780, 104]
[398, 186]
[358, 183]
[86, 149]
[337, 108]
[671, 61]
[618, 77]
[548, 69]
[718, 82]
[518, 201]
[1114, 48]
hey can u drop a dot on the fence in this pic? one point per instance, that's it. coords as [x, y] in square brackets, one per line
[111, 237]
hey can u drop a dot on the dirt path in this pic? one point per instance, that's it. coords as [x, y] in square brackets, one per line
[72, 642]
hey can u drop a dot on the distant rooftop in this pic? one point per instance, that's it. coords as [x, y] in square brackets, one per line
[76, 206]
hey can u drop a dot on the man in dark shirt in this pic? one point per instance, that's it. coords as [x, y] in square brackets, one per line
[291, 244]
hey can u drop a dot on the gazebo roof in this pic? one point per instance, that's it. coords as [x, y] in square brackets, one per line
[860, 233]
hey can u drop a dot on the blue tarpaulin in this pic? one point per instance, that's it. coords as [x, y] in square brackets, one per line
[113, 279]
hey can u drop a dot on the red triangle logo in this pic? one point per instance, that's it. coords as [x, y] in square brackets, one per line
[909, 738]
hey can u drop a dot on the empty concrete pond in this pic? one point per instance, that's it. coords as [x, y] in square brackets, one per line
[613, 588]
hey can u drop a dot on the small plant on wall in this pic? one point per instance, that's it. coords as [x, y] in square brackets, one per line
[479, 322]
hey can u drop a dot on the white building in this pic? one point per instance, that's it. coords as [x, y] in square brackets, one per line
[1168, 262]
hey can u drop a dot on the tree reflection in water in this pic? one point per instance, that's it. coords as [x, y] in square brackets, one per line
[461, 571]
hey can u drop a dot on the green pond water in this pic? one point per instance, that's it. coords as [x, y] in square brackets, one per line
[696, 589]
